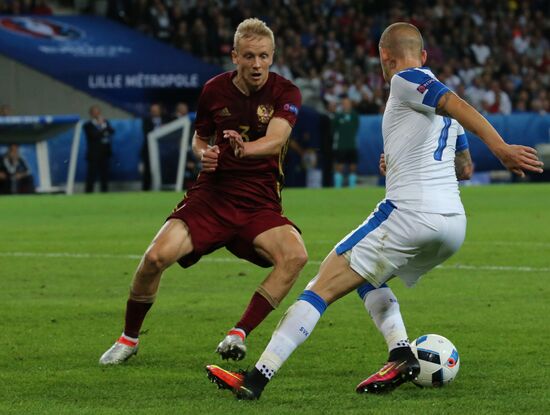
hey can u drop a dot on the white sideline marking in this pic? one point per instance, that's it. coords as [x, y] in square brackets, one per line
[530, 244]
[236, 260]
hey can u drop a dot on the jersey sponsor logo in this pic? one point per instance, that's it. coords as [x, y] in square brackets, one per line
[264, 113]
[224, 112]
[40, 28]
[291, 108]
[423, 87]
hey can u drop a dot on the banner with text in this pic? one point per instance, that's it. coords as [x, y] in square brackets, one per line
[103, 58]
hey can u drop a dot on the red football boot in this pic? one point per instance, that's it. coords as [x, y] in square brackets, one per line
[235, 381]
[393, 374]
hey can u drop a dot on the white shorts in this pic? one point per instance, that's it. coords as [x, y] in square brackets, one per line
[403, 243]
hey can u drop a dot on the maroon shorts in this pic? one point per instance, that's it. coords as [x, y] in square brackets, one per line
[215, 222]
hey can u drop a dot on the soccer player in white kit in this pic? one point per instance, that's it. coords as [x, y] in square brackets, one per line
[419, 224]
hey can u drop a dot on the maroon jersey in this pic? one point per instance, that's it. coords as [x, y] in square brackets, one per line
[222, 106]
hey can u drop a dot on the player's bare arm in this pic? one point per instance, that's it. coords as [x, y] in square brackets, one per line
[515, 158]
[464, 166]
[207, 154]
[271, 144]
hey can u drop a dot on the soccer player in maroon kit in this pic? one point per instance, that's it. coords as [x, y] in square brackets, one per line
[244, 120]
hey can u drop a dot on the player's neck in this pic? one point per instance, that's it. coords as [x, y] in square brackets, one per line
[245, 88]
[402, 64]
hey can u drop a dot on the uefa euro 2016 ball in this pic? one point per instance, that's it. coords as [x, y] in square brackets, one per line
[439, 361]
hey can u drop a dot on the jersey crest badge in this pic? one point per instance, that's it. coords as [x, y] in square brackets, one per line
[264, 113]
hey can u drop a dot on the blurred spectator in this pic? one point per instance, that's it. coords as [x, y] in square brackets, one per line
[155, 120]
[359, 91]
[468, 71]
[280, 67]
[311, 87]
[339, 40]
[345, 125]
[98, 153]
[479, 49]
[475, 93]
[449, 78]
[496, 101]
[15, 175]
[160, 21]
[41, 7]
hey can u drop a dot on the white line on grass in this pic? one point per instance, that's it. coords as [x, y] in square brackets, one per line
[529, 244]
[236, 260]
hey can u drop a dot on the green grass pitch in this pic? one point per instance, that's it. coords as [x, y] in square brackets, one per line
[66, 264]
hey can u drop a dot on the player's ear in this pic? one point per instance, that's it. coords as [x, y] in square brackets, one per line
[384, 55]
[234, 56]
[424, 56]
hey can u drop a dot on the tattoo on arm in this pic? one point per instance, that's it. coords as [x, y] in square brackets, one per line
[463, 165]
[441, 110]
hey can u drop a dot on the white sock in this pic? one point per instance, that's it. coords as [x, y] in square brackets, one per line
[383, 307]
[293, 329]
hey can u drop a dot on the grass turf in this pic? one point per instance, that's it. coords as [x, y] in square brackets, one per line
[66, 263]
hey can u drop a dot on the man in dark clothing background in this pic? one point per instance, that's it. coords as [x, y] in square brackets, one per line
[98, 137]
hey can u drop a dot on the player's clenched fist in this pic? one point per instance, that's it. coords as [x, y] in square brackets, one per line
[209, 159]
[382, 165]
[236, 142]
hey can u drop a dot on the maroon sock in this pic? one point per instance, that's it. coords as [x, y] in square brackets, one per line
[135, 314]
[257, 310]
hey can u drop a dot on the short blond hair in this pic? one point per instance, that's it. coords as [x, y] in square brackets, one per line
[251, 28]
[402, 39]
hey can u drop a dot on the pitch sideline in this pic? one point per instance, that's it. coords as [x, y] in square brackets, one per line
[71, 255]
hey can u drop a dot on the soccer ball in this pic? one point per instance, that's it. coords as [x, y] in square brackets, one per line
[438, 357]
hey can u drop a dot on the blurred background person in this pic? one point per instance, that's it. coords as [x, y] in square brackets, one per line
[98, 153]
[345, 125]
[15, 175]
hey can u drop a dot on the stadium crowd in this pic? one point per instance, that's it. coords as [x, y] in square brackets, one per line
[496, 55]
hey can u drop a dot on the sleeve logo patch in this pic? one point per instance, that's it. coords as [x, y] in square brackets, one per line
[423, 87]
[291, 108]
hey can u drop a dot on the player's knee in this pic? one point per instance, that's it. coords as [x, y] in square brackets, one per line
[155, 261]
[295, 260]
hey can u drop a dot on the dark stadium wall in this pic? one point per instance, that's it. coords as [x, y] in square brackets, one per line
[528, 129]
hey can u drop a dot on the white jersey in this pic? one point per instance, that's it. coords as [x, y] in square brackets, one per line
[419, 145]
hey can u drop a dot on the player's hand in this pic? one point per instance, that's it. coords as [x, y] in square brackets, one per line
[209, 159]
[236, 142]
[382, 165]
[519, 159]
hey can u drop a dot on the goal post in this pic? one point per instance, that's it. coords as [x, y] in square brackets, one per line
[153, 138]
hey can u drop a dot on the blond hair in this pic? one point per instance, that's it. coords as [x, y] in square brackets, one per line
[402, 39]
[251, 28]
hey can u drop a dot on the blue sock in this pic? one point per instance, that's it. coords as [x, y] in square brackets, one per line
[338, 179]
[352, 180]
